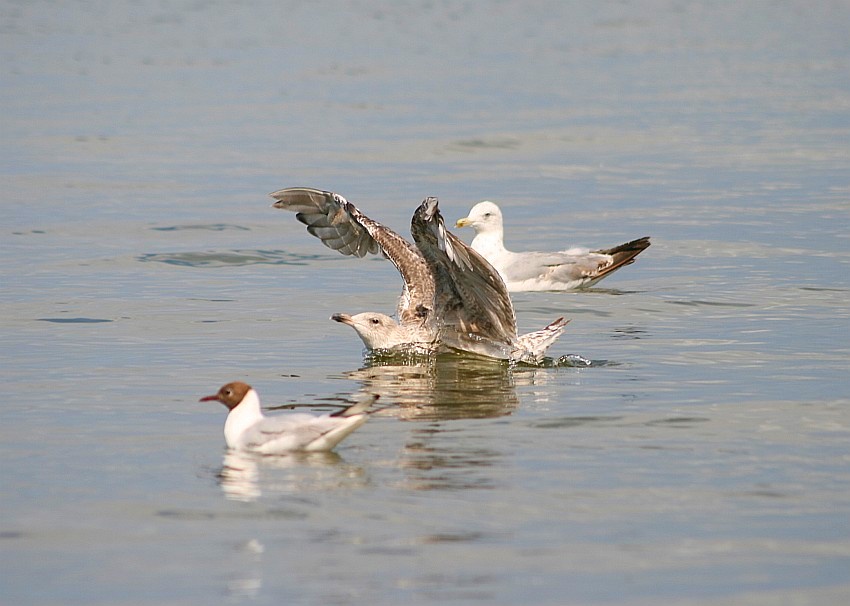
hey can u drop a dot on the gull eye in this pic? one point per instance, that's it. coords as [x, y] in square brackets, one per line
[375, 321]
[487, 215]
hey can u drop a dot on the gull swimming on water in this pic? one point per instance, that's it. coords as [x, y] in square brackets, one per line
[452, 297]
[248, 429]
[563, 270]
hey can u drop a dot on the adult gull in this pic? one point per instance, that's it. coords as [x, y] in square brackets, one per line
[526, 271]
[248, 429]
[452, 297]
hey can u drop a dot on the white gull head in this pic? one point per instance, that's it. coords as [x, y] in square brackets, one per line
[377, 330]
[485, 217]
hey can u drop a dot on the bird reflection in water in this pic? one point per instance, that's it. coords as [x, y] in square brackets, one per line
[240, 475]
[441, 455]
[246, 578]
[443, 387]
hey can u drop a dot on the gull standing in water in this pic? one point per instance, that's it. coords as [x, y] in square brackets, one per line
[452, 297]
[248, 429]
[525, 271]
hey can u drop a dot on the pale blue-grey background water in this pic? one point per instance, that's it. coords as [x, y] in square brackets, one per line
[703, 459]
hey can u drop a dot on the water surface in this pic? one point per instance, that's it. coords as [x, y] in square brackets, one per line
[701, 458]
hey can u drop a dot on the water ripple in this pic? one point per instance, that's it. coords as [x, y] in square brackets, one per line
[232, 258]
[697, 302]
[74, 320]
[207, 227]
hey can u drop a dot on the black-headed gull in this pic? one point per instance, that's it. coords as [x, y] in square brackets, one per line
[248, 429]
[452, 297]
[527, 271]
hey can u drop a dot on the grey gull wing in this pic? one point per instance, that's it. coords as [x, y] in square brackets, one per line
[297, 432]
[470, 294]
[342, 227]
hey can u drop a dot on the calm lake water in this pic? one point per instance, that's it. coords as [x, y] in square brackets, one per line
[702, 459]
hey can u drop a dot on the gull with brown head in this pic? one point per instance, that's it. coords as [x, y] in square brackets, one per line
[248, 429]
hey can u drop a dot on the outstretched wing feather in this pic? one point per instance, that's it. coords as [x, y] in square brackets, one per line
[470, 294]
[342, 227]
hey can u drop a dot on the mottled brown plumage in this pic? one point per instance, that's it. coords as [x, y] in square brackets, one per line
[452, 297]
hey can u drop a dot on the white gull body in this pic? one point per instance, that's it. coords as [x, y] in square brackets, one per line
[248, 429]
[530, 271]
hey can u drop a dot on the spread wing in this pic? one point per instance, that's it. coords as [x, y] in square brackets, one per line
[341, 226]
[470, 295]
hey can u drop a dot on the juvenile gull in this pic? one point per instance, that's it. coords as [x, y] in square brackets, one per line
[452, 297]
[563, 270]
[248, 429]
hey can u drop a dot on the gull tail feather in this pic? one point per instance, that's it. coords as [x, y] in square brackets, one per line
[624, 254]
[362, 405]
[537, 342]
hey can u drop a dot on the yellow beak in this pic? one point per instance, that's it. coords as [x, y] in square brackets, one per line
[462, 222]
